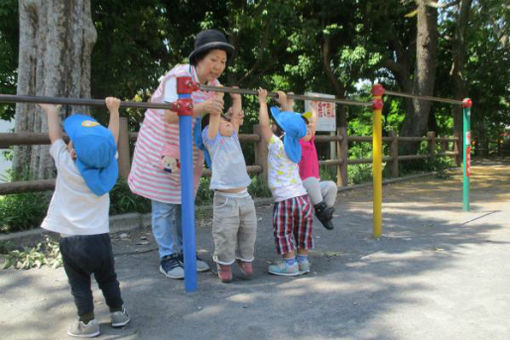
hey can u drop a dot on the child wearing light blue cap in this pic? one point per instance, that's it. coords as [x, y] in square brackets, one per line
[292, 213]
[86, 171]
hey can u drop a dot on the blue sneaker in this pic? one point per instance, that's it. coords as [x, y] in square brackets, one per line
[171, 267]
[283, 269]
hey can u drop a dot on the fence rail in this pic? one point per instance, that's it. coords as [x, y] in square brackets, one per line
[449, 146]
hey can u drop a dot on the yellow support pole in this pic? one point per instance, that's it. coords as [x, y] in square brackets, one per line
[377, 105]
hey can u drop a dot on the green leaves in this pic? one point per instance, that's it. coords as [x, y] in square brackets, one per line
[46, 252]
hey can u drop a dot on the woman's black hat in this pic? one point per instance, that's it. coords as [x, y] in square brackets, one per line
[210, 40]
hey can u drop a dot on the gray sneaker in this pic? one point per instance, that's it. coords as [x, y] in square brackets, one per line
[202, 266]
[120, 318]
[283, 269]
[171, 267]
[80, 329]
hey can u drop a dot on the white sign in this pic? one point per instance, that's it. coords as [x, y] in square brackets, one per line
[326, 111]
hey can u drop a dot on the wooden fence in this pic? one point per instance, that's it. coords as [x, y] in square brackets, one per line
[449, 146]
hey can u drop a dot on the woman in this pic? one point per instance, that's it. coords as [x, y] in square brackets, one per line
[154, 172]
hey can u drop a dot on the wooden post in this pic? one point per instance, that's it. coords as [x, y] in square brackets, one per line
[394, 153]
[431, 138]
[444, 145]
[261, 152]
[123, 148]
[343, 154]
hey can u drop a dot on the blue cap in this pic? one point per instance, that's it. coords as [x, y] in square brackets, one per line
[95, 152]
[294, 127]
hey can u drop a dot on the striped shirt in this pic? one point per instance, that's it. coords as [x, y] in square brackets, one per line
[146, 178]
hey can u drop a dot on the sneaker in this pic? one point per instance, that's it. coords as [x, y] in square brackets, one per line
[246, 268]
[120, 318]
[283, 269]
[304, 266]
[202, 266]
[324, 215]
[224, 272]
[171, 267]
[80, 329]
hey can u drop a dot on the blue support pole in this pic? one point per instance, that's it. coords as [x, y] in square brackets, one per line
[187, 200]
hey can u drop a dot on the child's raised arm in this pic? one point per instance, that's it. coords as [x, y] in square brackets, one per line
[313, 119]
[214, 118]
[113, 105]
[54, 129]
[236, 111]
[267, 133]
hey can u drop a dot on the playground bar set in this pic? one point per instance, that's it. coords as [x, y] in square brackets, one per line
[184, 108]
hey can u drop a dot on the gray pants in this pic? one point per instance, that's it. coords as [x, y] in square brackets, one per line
[234, 227]
[321, 191]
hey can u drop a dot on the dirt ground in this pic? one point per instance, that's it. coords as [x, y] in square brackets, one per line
[436, 273]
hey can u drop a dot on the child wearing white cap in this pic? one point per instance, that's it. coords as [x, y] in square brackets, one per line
[86, 172]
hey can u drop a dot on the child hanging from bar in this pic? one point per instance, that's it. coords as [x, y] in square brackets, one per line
[322, 193]
[234, 220]
[86, 171]
[292, 213]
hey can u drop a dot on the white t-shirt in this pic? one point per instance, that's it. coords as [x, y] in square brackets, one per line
[74, 209]
[283, 174]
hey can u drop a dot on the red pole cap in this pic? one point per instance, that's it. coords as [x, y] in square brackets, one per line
[185, 85]
[467, 103]
[378, 90]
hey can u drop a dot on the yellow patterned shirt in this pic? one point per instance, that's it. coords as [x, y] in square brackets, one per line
[283, 174]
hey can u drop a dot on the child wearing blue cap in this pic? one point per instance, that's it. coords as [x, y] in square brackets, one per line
[234, 219]
[322, 193]
[78, 211]
[292, 213]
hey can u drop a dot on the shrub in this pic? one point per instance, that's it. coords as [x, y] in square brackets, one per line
[22, 211]
[258, 187]
[122, 200]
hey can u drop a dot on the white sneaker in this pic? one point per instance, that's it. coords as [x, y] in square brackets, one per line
[80, 329]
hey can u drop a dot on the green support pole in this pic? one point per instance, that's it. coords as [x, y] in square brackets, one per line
[466, 150]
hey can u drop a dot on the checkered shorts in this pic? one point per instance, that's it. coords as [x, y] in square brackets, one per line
[292, 224]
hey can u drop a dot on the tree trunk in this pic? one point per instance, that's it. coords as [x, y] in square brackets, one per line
[56, 41]
[337, 85]
[459, 57]
[415, 122]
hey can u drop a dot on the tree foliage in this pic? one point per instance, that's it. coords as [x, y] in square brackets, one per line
[330, 46]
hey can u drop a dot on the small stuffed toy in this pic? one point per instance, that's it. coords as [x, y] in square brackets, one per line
[169, 161]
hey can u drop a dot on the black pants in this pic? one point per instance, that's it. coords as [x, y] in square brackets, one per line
[84, 255]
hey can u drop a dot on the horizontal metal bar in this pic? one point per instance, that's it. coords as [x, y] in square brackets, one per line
[6, 98]
[226, 89]
[429, 98]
